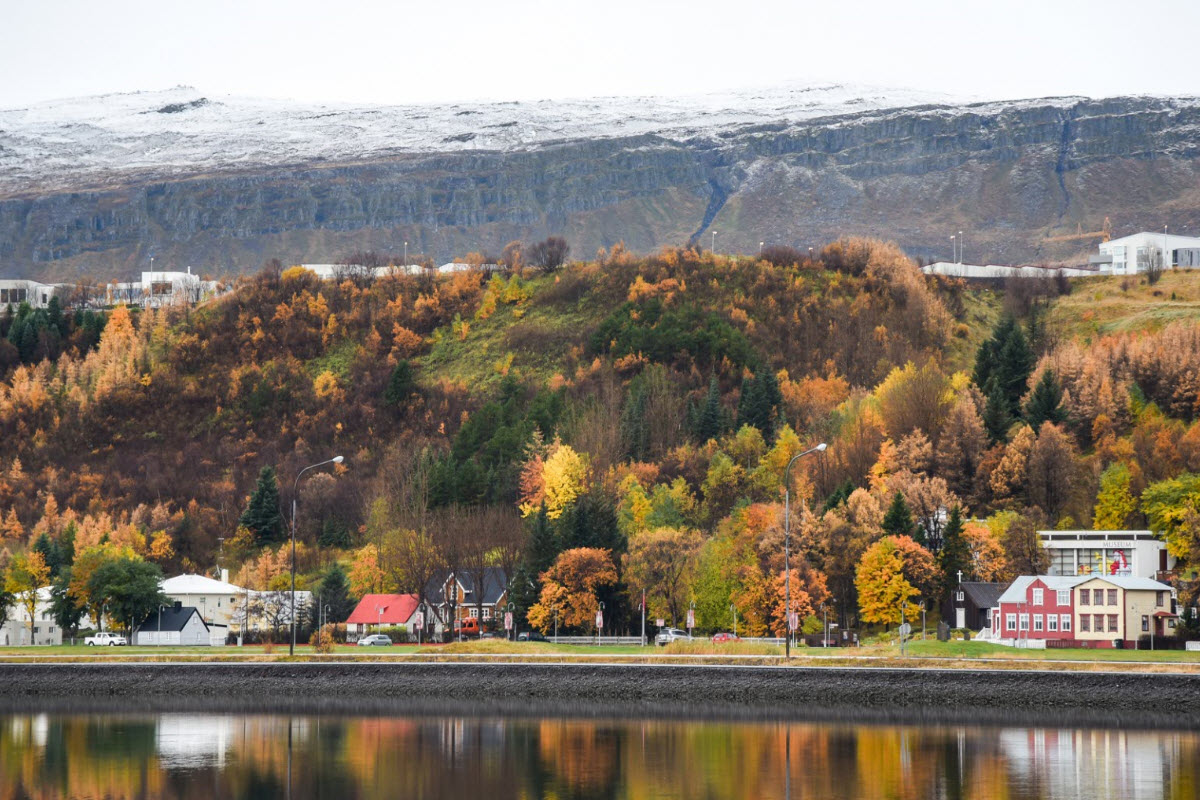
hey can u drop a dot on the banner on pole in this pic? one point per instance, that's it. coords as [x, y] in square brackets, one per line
[793, 622]
[508, 620]
[419, 620]
[691, 619]
[660, 622]
[599, 620]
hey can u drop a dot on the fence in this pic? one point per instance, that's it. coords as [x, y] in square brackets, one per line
[592, 640]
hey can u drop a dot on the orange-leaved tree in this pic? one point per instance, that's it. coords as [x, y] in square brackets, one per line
[892, 571]
[572, 586]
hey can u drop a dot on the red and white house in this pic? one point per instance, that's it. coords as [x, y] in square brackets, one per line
[377, 611]
[1082, 611]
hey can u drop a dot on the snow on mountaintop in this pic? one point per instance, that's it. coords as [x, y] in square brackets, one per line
[180, 131]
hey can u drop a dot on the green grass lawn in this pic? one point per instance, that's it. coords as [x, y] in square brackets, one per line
[931, 648]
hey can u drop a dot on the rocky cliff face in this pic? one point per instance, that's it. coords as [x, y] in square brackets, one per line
[1007, 174]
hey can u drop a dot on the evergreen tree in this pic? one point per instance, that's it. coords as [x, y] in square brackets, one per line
[955, 555]
[543, 545]
[51, 553]
[1004, 362]
[899, 520]
[1045, 404]
[400, 385]
[710, 419]
[760, 401]
[996, 418]
[335, 593]
[262, 516]
[840, 495]
[592, 522]
[334, 534]
[635, 434]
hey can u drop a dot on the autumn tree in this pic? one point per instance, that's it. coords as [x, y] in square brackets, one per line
[554, 479]
[573, 586]
[961, 447]
[1050, 474]
[548, 254]
[27, 573]
[661, 562]
[1115, 503]
[1023, 548]
[881, 583]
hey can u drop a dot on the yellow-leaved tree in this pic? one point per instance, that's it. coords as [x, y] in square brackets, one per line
[26, 574]
[881, 583]
[556, 477]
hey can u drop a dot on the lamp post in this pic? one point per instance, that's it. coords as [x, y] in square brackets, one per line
[599, 619]
[733, 608]
[296, 488]
[555, 610]
[960, 247]
[903, 623]
[787, 541]
[713, 248]
[825, 615]
[922, 620]
[953, 250]
[406, 255]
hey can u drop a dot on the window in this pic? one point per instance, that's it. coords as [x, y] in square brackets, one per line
[1098, 623]
[1064, 597]
[1039, 597]
[1052, 622]
[1037, 622]
[1112, 623]
[1112, 597]
[1066, 622]
[1024, 622]
[1145, 623]
[958, 596]
[1160, 599]
[1010, 622]
[1084, 623]
[1085, 597]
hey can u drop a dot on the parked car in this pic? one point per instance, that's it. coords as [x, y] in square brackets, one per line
[721, 638]
[106, 639]
[668, 635]
[490, 635]
[530, 636]
[375, 640]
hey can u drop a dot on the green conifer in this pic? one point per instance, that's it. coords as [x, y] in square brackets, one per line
[262, 516]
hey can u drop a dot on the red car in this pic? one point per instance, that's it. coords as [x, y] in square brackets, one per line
[720, 638]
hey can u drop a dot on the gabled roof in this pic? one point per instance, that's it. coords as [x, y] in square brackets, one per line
[198, 584]
[387, 609]
[1131, 582]
[1015, 593]
[172, 619]
[494, 585]
[984, 595]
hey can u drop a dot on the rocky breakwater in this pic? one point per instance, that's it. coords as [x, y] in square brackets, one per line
[767, 688]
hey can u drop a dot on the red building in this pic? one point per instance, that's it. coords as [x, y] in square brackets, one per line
[376, 611]
[1036, 607]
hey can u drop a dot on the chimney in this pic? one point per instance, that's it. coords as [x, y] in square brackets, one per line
[178, 604]
[224, 575]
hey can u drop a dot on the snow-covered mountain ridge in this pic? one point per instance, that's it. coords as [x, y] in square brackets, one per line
[181, 131]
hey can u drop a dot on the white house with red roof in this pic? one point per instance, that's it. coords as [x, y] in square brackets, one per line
[377, 611]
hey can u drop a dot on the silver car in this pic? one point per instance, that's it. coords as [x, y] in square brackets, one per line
[668, 635]
[375, 639]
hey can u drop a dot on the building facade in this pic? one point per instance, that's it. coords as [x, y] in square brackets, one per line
[1083, 611]
[377, 611]
[16, 630]
[1124, 553]
[176, 625]
[1139, 252]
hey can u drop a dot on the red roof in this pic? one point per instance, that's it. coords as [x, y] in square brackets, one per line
[397, 609]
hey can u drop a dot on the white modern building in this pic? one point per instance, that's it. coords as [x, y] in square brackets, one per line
[1136, 253]
[13, 292]
[328, 272]
[999, 271]
[15, 631]
[162, 288]
[1139, 554]
[222, 603]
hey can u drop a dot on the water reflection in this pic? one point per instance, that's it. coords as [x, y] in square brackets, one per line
[177, 755]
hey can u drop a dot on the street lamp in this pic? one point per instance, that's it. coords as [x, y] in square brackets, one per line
[555, 610]
[960, 247]
[825, 615]
[733, 608]
[787, 540]
[406, 254]
[953, 251]
[713, 249]
[296, 488]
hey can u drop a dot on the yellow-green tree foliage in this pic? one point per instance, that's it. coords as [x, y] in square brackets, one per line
[555, 478]
[882, 581]
[1115, 503]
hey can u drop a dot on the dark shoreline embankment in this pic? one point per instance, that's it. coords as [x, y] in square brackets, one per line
[926, 695]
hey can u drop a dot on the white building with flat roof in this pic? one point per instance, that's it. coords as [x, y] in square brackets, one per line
[1139, 554]
[14, 291]
[15, 631]
[1136, 253]
[953, 269]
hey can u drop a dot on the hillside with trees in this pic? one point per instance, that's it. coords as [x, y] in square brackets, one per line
[596, 429]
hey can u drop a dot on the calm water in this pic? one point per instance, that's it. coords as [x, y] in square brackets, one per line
[189, 755]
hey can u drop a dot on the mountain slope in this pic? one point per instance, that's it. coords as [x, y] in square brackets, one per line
[100, 185]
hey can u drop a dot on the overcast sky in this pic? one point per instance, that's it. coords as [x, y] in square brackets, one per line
[452, 50]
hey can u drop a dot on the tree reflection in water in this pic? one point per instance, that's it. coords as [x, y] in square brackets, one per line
[248, 756]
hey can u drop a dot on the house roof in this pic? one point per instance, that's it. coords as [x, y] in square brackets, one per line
[397, 609]
[172, 619]
[1016, 591]
[198, 584]
[984, 595]
[494, 584]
